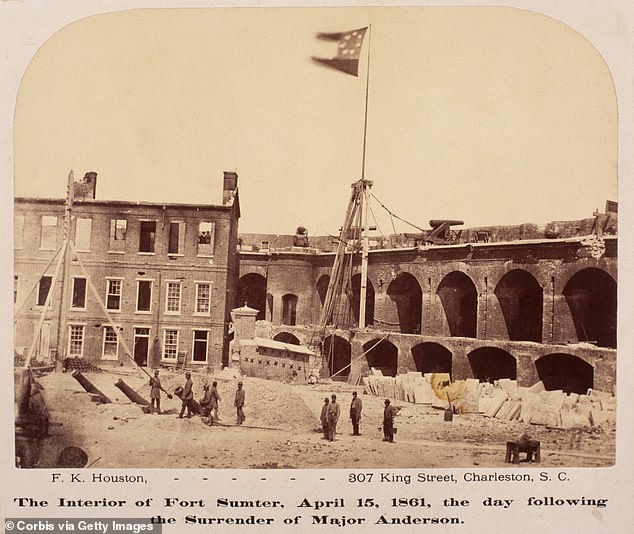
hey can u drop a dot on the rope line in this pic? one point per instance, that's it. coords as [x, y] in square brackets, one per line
[360, 356]
[396, 216]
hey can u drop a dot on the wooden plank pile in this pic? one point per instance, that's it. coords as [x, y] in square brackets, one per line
[503, 400]
[507, 401]
[410, 387]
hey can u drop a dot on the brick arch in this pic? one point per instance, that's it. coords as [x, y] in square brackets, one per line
[246, 268]
[591, 295]
[304, 336]
[251, 291]
[491, 363]
[289, 309]
[337, 353]
[432, 357]
[566, 372]
[286, 337]
[403, 308]
[521, 300]
[459, 298]
[383, 355]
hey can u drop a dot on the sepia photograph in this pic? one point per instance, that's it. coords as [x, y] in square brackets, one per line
[378, 237]
[313, 268]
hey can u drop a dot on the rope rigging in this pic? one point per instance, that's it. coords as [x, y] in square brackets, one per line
[392, 214]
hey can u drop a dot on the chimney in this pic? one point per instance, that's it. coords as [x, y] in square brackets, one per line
[243, 323]
[86, 188]
[230, 186]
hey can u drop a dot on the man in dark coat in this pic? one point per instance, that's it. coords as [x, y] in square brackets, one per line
[155, 392]
[324, 417]
[388, 421]
[239, 403]
[355, 413]
[333, 416]
[205, 402]
[214, 399]
[187, 396]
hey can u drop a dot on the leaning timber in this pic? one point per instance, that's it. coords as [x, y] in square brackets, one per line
[90, 387]
[131, 394]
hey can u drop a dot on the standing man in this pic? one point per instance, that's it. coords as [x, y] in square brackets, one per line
[155, 392]
[355, 413]
[205, 404]
[324, 417]
[187, 396]
[333, 417]
[388, 421]
[214, 399]
[239, 403]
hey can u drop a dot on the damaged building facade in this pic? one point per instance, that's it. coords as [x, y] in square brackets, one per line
[165, 274]
[522, 302]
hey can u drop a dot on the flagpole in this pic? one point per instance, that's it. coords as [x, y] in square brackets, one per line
[367, 91]
[364, 198]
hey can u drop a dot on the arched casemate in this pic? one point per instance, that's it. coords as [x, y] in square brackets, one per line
[489, 364]
[591, 298]
[251, 292]
[382, 355]
[459, 298]
[431, 358]
[404, 306]
[566, 372]
[337, 356]
[521, 301]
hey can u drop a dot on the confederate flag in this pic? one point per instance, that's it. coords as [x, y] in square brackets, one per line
[348, 50]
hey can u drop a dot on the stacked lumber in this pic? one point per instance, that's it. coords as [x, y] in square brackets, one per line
[410, 387]
[507, 401]
[504, 399]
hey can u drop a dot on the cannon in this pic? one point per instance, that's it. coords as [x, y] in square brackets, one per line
[440, 234]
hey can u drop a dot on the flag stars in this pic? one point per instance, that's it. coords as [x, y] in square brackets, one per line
[349, 46]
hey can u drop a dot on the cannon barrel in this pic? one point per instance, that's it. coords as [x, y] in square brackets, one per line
[131, 394]
[435, 223]
[89, 386]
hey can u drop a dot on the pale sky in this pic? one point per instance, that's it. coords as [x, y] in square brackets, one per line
[489, 115]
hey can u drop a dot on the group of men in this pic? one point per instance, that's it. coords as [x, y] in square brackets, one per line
[330, 413]
[208, 404]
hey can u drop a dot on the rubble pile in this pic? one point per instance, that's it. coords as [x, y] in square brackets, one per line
[503, 399]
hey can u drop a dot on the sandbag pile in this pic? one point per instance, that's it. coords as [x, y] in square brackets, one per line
[503, 399]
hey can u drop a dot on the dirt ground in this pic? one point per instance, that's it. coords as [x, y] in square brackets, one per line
[282, 430]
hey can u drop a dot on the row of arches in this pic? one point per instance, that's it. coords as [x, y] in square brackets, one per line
[590, 295]
[252, 292]
[557, 371]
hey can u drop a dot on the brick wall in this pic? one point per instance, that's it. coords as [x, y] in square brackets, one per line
[274, 364]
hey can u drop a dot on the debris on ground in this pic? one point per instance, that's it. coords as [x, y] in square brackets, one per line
[502, 399]
[280, 425]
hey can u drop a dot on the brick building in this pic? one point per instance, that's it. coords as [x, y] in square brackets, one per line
[165, 274]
